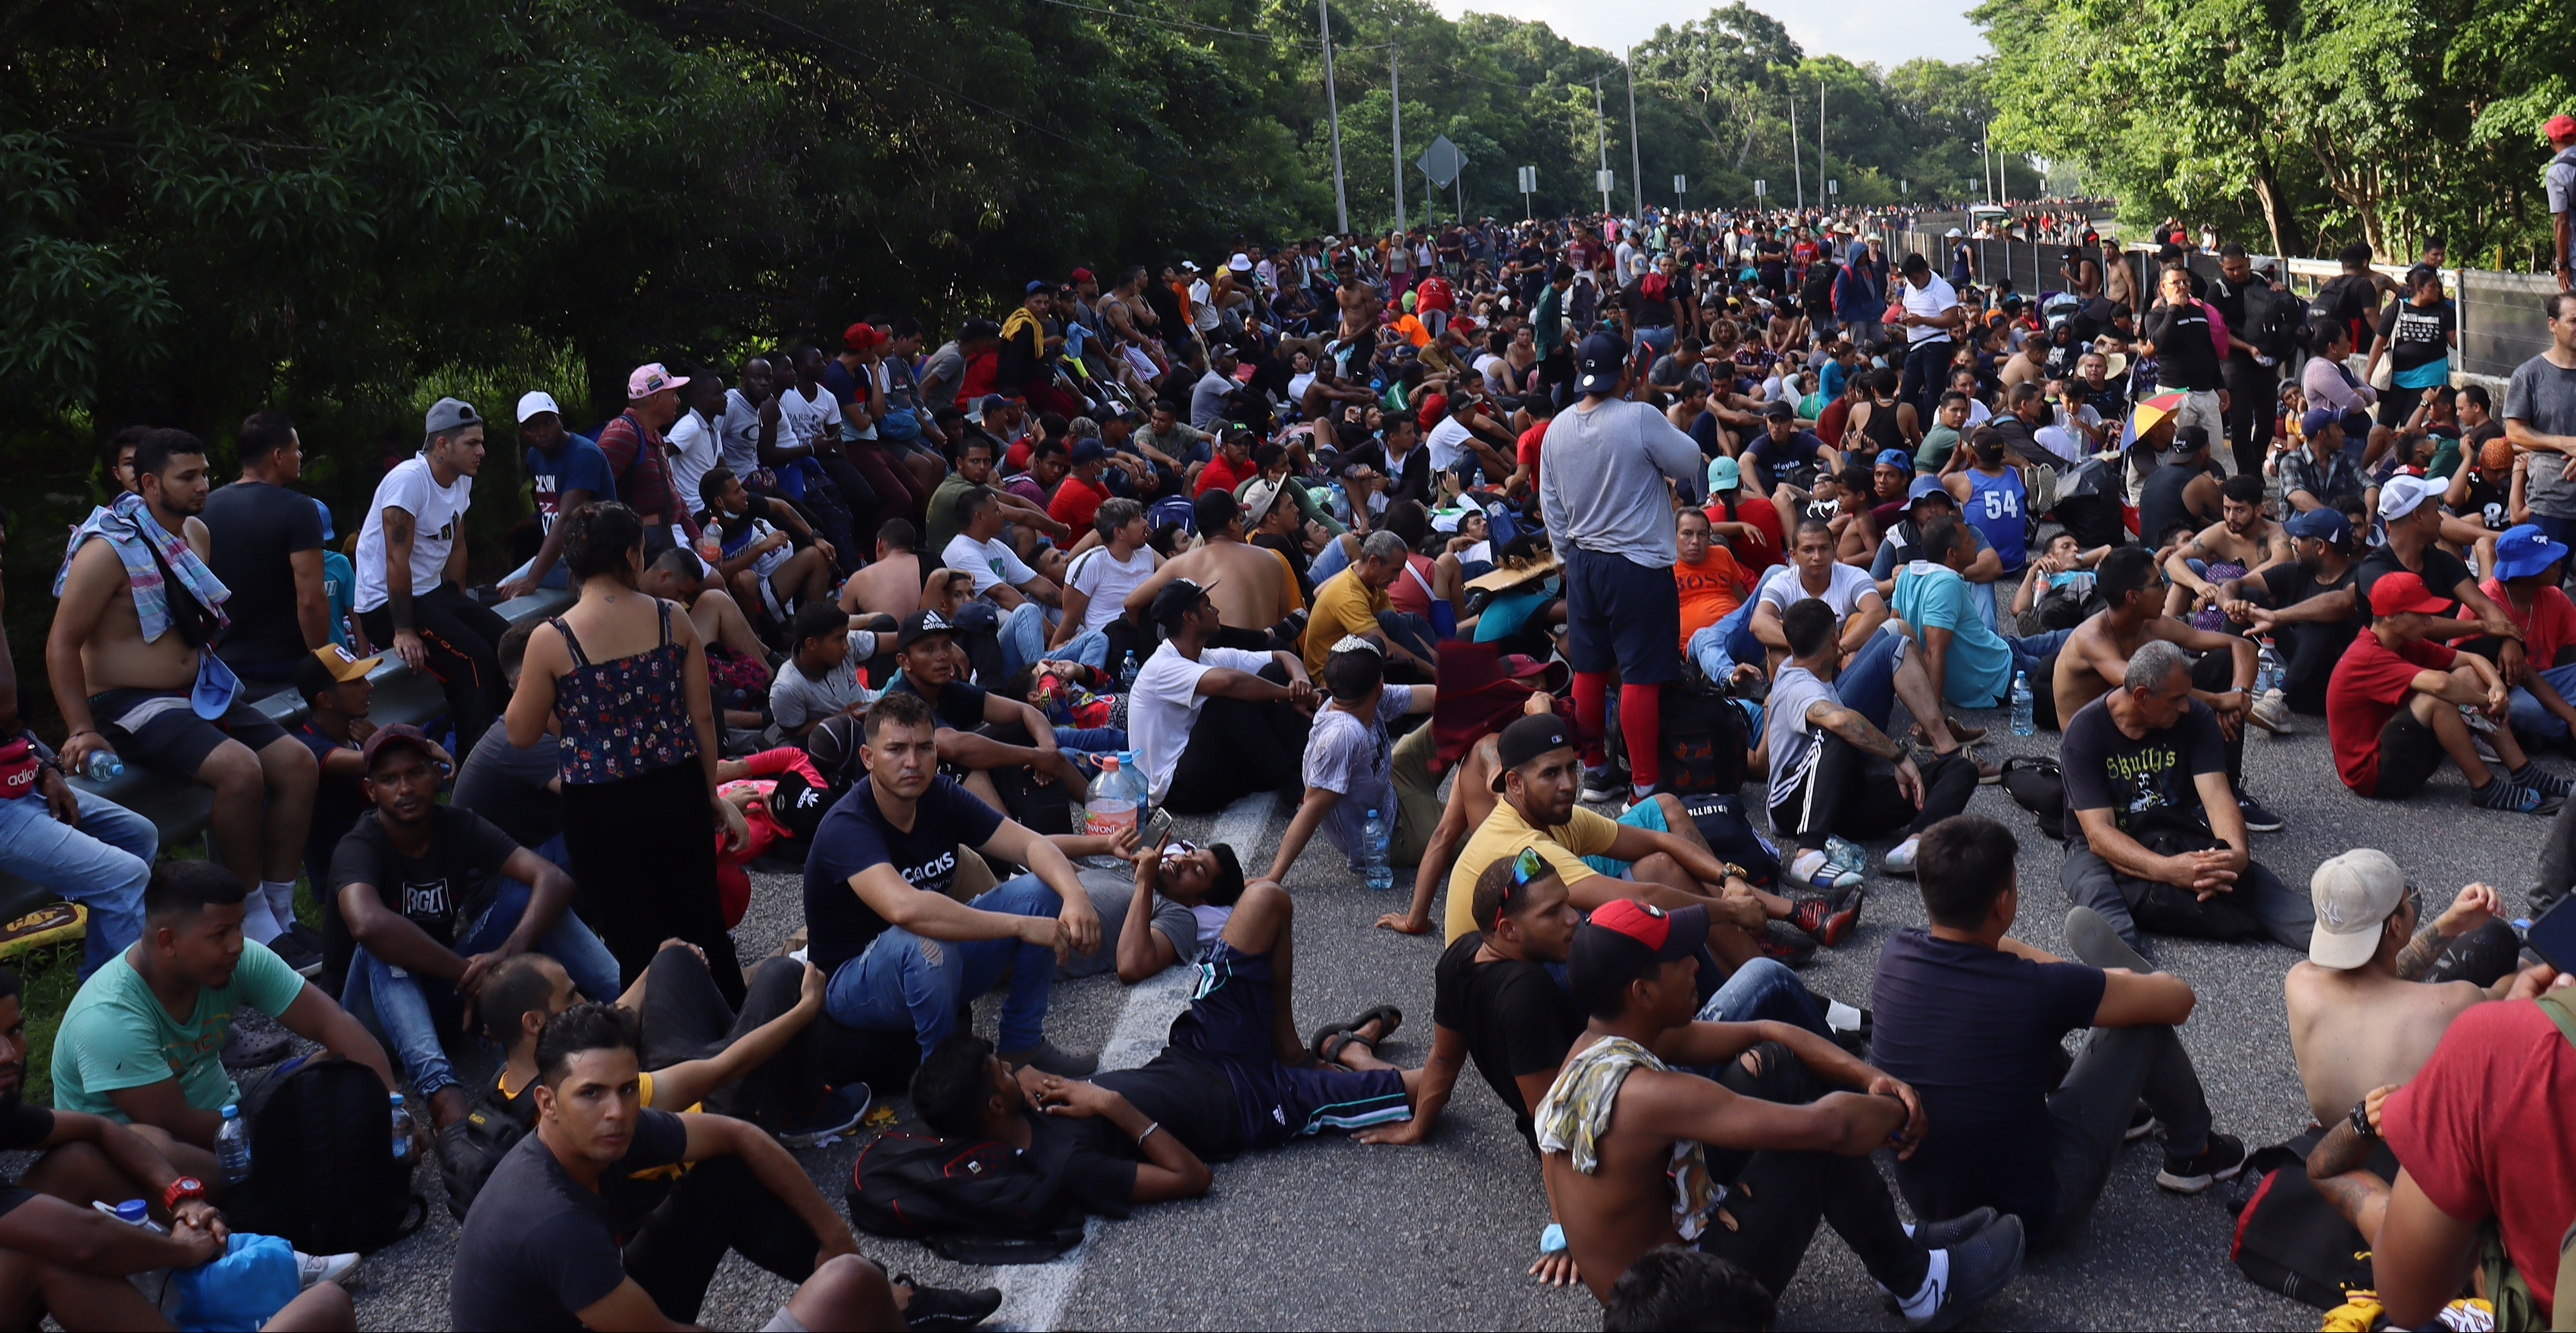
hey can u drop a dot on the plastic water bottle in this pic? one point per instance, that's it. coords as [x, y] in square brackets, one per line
[402, 1131]
[153, 1283]
[1127, 672]
[1115, 799]
[2021, 723]
[1341, 504]
[103, 766]
[232, 1147]
[2267, 675]
[1377, 863]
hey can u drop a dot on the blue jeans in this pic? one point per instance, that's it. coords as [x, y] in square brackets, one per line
[2029, 652]
[1868, 685]
[1718, 648]
[1764, 988]
[100, 863]
[905, 982]
[1023, 636]
[2530, 719]
[1092, 740]
[409, 1011]
[1090, 648]
[1660, 338]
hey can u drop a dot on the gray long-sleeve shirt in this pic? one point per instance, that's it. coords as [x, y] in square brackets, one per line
[1601, 479]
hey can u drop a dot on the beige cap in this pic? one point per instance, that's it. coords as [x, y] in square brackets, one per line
[2354, 895]
[1258, 496]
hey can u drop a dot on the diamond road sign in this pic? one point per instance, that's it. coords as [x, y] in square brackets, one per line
[1441, 161]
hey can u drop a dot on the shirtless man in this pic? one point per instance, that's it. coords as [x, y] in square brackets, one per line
[2242, 536]
[678, 575]
[892, 584]
[1639, 1154]
[1253, 587]
[122, 673]
[2031, 366]
[1360, 311]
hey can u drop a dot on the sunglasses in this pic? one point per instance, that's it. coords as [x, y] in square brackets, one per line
[1527, 868]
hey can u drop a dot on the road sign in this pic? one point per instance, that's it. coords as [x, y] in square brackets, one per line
[1604, 181]
[1833, 187]
[1529, 180]
[1442, 161]
[1680, 183]
[1761, 188]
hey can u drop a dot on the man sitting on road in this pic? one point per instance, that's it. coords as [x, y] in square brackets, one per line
[1638, 1154]
[2410, 511]
[1354, 602]
[615, 1216]
[994, 745]
[2241, 544]
[2163, 837]
[424, 899]
[1024, 596]
[821, 678]
[903, 955]
[1348, 761]
[2395, 710]
[120, 1053]
[1261, 608]
[2524, 581]
[1965, 659]
[1096, 630]
[1211, 723]
[2309, 607]
[132, 676]
[890, 585]
[412, 570]
[1977, 1019]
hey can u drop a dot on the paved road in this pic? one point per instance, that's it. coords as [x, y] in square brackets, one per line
[1331, 1233]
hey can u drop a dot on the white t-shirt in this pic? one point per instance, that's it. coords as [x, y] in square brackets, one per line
[738, 440]
[802, 420]
[989, 562]
[1782, 588]
[436, 512]
[1106, 581]
[2062, 442]
[695, 449]
[1165, 704]
[1932, 298]
[1447, 443]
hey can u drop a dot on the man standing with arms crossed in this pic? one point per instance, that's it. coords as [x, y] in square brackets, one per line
[1602, 475]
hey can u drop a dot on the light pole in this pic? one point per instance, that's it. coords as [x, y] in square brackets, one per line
[1794, 164]
[1395, 94]
[1601, 124]
[1636, 167]
[1333, 106]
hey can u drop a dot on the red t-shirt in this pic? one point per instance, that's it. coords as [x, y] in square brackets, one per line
[2550, 626]
[2370, 683]
[1433, 294]
[1075, 504]
[1412, 589]
[1829, 423]
[1218, 476]
[1762, 515]
[1015, 455]
[1528, 449]
[2482, 1129]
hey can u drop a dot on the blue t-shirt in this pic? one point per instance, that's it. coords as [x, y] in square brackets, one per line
[340, 590]
[578, 466]
[1978, 666]
[1976, 1032]
[854, 836]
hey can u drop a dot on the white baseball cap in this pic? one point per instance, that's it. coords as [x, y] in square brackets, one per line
[2402, 495]
[1241, 263]
[535, 401]
[2354, 895]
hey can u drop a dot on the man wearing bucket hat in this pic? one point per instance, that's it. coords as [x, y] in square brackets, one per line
[2396, 708]
[2525, 583]
[641, 459]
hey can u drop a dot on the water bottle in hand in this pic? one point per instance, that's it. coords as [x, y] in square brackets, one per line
[103, 766]
[2021, 723]
[1376, 852]
[402, 1131]
[232, 1147]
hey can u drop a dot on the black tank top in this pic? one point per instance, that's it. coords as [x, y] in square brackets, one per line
[2160, 503]
[1880, 428]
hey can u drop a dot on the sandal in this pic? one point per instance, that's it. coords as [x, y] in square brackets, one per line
[1329, 1040]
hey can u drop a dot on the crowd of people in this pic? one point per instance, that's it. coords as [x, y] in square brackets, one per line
[1590, 521]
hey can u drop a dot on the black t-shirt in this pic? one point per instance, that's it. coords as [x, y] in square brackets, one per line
[1088, 1159]
[537, 1246]
[437, 892]
[1516, 1018]
[2105, 770]
[2417, 335]
[507, 785]
[2443, 572]
[2185, 357]
[2290, 584]
[1796, 457]
[959, 707]
[1647, 312]
[1976, 1032]
[1189, 1097]
[855, 836]
[22, 1128]
[254, 528]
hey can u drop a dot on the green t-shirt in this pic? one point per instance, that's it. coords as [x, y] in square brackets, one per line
[941, 514]
[1935, 452]
[116, 1034]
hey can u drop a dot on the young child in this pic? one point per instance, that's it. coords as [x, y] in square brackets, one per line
[1089, 721]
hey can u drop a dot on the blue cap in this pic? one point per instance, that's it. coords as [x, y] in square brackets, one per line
[1896, 458]
[1088, 450]
[1923, 486]
[2525, 550]
[328, 534]
[1603, 356]
[2322, 523]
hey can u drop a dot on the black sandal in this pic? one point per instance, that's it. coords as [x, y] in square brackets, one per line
[1331, 1039]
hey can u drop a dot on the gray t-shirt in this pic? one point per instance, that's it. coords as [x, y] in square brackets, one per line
[1602, 470]
[1792, 737]
[2544, 397]
[1346, 755]
[1111, 891]
[796, 699]
[507, 784]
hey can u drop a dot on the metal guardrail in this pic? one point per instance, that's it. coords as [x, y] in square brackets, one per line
[182, 810]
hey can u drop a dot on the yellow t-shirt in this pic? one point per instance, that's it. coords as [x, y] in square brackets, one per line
[1503, 834]
[1343, 605]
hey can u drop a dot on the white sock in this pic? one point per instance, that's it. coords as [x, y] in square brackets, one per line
[1905, 850]
[281, 901]
[1843, 1018]
[1808, 862]
[1927, 1298]
[257, 923]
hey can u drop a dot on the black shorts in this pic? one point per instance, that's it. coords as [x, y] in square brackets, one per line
[160, 731]
[2409, 754]
[1624, 614]
[1228, 1025]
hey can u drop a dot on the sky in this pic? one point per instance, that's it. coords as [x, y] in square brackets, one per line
[1887, 32]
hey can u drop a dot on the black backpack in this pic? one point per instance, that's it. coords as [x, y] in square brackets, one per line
[2038, 786]
[972, 1203]
[1703, 739]
[2275, 319]
[472, 1148]
[2288, 1237]
[324, 1174]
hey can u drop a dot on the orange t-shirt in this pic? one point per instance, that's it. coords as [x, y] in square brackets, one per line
[1710, 590]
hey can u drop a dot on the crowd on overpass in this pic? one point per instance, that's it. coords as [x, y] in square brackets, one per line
[1588, 521]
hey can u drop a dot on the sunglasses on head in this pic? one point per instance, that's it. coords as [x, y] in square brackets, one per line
[1527, 867]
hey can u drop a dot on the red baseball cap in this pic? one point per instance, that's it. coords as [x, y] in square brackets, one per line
[1627, 939]
[860, 337]
[2401, 592]
[2560, 126]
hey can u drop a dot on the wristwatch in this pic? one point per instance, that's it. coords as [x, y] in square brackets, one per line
[185, 1187]
[2361, 1119]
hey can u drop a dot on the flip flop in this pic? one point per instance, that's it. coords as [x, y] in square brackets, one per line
[1332, 1038]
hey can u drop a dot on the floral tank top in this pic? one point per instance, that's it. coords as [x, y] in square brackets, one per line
[624, 718]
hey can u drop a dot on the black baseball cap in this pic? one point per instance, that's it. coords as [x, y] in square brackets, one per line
[1624, 939]
[392, 736]
[1175, 600]
[1602, 358]
[920, 625]
[1776, 410]
[1526, 739]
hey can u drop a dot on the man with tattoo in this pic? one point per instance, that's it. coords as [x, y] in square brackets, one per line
[411, 570]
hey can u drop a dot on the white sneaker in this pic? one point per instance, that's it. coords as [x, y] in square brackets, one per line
[315, 1268]
[2272, 713]
[1900, 858]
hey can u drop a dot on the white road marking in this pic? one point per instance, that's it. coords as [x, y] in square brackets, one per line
[1034, 1295]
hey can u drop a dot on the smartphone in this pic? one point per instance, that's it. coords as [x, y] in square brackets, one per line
[2553, 935]
[1157, 827]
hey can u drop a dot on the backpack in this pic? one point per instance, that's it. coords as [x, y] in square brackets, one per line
[325, 1175]
[972, 1203]
[467, 1159]
[2036, 785]
[2164, 909]
[1703, 740]
[2275, 323]
[1721, 820]
[2288, 1238]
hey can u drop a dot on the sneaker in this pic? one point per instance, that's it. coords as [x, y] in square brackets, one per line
[1604, 784]
[841, 1111]
[304, 959]
[1828, 926]
[2513, 797]
[1812, 869]
[1956, 1231]
[312, 1269]
[946, 1307]
[2545, 782]
[1900, 858]
[2221, 1160]
[1980, 1266]
[1047, 1057]
[2258, 816]
[2142, 1122]
[1785, 943]
[2272, 713]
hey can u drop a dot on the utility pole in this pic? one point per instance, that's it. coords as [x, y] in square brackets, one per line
[1636, 168]
[1820, 138]
[1333, 106]
[1395, 94]
[1601, 124]
[1794, 164]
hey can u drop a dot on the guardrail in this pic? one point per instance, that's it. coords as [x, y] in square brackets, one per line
[181, 810]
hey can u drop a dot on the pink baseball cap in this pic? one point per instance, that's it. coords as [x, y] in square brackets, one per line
[2560, 126]
[650, 379]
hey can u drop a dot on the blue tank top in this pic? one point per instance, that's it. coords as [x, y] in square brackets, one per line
[1995, 506]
